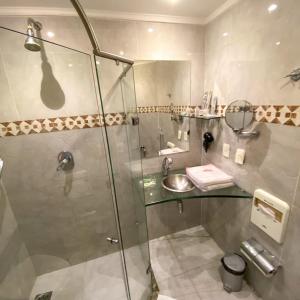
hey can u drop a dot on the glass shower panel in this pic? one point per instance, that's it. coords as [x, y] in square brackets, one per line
[54, 218]
[130, 108]
[119, 105]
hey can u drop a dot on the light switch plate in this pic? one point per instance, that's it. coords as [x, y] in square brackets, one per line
[185, 135]
[179, 135]
[240, 156]
[226, 150]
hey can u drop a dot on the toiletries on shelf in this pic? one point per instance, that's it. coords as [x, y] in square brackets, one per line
[213, 107]
[170, 145]
[209, 106]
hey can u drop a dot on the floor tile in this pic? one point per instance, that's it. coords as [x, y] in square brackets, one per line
[176, 286]
[196, 275]
[223, 295]
[164, 262]
[104, 278]
[206, 278]
[195, 250]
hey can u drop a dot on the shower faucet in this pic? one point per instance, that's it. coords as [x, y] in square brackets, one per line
[65, 160]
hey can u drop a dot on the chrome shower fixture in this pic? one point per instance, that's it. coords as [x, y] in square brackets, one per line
[31, 42]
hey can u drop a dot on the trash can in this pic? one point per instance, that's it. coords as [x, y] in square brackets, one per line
[232, 272]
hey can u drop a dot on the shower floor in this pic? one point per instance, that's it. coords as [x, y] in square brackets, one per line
[101, 278]
[186, 267]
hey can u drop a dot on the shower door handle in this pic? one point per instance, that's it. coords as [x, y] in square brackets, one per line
[1, 167]
[112, 240]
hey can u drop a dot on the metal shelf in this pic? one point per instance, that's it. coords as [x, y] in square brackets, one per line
[208, 117]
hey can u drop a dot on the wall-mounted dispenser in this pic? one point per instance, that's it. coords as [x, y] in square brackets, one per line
[270, 214]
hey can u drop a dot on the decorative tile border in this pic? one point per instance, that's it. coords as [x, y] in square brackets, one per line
[47, 125]
[162, 109]
[276, 114]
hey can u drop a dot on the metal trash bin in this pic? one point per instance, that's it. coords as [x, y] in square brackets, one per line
[232, 272]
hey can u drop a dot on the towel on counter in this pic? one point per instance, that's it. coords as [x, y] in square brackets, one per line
[209, 177]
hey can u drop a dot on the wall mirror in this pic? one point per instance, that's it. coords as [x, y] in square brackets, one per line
[239, 116]
[163, 92]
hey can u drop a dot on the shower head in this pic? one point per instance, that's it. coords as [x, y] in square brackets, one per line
[31, 43]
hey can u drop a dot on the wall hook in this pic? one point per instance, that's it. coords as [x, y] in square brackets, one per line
[294, 75]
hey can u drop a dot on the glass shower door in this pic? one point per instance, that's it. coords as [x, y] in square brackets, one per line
[54, 221]
[119, 105]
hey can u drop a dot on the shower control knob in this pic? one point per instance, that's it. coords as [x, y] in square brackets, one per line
[65, 161]
[112, 240]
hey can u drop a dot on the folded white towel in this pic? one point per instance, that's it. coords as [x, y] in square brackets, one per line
[217, 186]
[212, 187]
[209, 177]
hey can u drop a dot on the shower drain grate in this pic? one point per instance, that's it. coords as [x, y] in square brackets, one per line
[44, 296]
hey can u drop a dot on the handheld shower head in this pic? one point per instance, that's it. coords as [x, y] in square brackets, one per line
[31, 43]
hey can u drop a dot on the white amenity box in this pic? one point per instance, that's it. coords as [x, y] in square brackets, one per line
[270, 214]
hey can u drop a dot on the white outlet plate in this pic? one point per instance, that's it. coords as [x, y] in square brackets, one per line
[226, 150]
[240, 156]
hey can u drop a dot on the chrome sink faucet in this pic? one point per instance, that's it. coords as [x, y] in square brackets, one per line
[165, 167]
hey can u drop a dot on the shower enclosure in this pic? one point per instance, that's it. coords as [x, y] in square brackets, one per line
[77, 232]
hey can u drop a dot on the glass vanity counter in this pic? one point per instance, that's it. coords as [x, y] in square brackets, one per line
[155, 193]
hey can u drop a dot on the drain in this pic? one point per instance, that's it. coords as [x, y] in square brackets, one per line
[44, 296]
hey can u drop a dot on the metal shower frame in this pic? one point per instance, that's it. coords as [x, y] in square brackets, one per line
[91, 33]
[97, 52]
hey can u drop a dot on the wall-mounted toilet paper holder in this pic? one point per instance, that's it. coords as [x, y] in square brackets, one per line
[264, 260]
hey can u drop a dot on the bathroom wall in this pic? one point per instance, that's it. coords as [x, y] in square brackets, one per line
[248, 51]
[17, 274]
[64, 218]
[61, 216]
[166, 42]
[132, 39]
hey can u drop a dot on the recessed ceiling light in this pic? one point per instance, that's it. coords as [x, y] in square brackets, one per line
[225, 34]
[272, 8]
[50, 34]
[98, 62]
[121, 52]
[278, 43]
[70, 65]
[150, 29]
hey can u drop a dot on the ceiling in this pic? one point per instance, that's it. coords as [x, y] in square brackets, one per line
[180, 11]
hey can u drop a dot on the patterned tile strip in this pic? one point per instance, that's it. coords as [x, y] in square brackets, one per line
[59, 124]
[276, 114]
